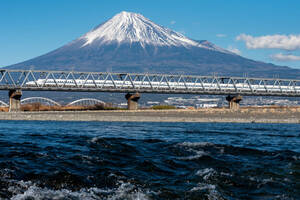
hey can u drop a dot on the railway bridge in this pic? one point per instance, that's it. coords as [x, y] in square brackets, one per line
[133, 84]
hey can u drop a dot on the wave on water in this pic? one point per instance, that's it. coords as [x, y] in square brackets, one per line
[196, 144]
[22, 190]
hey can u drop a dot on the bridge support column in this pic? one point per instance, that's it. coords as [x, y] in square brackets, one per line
[15, 100]
[234, 101]
[132, 100]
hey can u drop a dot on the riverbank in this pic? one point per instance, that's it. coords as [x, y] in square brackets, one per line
[245, 115]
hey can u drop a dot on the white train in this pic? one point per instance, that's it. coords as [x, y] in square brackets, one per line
[162, 85]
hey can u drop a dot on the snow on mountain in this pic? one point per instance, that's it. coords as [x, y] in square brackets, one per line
[127, 27]
[212, 46]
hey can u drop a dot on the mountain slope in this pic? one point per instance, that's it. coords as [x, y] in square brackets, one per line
[129, 42]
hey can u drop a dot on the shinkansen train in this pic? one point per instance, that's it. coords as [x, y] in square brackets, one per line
[161, 85]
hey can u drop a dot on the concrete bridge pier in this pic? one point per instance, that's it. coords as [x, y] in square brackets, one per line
[234, 101]
[132, 100]
[15, 100]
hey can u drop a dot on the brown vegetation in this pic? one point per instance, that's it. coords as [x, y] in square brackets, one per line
[4, 109]
[163, 107]
[248, 109]
[41, 107]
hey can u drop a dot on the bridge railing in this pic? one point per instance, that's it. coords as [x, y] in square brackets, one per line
[148, 83]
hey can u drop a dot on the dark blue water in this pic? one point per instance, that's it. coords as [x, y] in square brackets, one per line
[113, 160]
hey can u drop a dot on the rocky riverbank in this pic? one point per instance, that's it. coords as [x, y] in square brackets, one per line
[244, 115]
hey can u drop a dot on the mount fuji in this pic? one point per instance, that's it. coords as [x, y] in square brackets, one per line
[129, 42]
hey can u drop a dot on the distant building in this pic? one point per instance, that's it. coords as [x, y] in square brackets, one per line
[206, 105]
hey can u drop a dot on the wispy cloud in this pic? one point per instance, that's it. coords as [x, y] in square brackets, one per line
[220, 35]
[286, 42]
[234, 50]
[173, 22]
[285, 57]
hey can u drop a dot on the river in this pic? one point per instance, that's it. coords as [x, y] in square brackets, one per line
[131, 160]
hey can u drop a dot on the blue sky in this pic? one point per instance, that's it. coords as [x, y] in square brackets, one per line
[265, 30]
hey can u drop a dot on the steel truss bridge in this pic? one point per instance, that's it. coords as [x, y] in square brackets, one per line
[36, 80]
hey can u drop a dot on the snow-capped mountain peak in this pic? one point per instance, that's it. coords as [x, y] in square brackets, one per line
[129, 42]
[128, 27]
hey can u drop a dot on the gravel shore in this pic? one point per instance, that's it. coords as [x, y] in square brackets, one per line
[245, 115]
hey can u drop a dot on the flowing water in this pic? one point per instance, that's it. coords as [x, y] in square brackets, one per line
[120, 160]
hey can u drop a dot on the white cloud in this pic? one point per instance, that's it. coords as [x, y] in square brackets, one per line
[285, 57]
[234, 50]
[221, 35]
[286, 42]
[173, 22]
